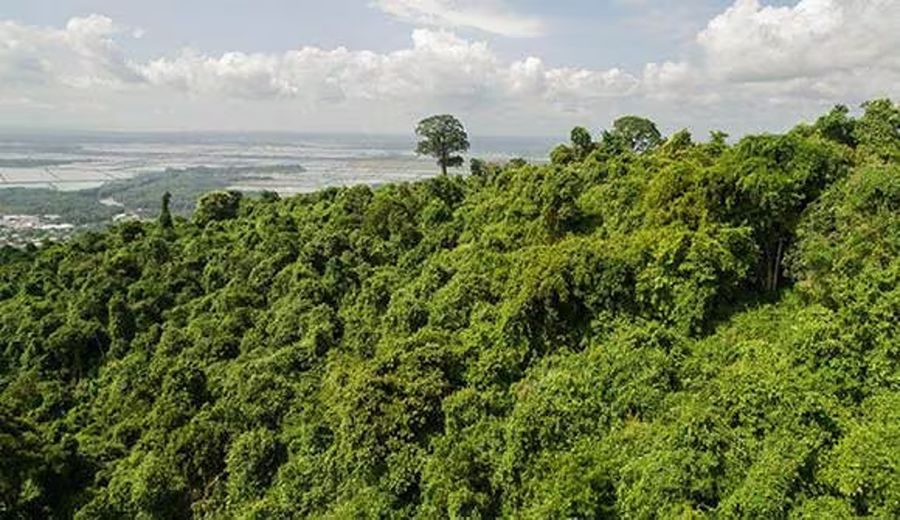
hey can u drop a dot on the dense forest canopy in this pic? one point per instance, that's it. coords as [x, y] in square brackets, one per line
[646, 327]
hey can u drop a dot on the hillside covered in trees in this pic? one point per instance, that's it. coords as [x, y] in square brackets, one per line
[643, 328]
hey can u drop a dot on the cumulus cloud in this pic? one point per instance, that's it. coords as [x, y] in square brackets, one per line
[814, 38]
[490, 16]
[669, 77]
[751, 62]
[438, 70]
[439, 66]
[814, 53]
[82, 54]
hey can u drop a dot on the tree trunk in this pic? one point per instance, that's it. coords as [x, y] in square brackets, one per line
[773, 265]
[777, 271]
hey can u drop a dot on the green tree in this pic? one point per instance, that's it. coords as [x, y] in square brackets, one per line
[20, 448]
[562, 155]
[582, 142]
[218, 205]
[477, 167]
[678, 142]
[613, 339]
[837, 125]
[878, 131]
[251, 464]
[718, 143]
[442, 137]
[640, 134]
[165, 216]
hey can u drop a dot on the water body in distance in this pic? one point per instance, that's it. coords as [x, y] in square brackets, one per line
[286, 163]
[53, 185]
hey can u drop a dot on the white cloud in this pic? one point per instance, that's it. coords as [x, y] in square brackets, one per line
[755, 63]
[440, 68]
[491, 16]
[669, 78]
[814, 38]
[82, 54]
[750, 64]
[80, 65]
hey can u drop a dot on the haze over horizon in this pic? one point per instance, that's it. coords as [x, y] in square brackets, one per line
[504, 67]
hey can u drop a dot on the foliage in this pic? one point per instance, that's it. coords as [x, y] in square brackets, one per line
[643, 328]
[638, 134]
[218, 205]
[95, 208]
[442, 137]
[165, 214]
[878, 131]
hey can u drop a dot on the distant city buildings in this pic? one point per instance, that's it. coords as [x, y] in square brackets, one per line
[21, 230]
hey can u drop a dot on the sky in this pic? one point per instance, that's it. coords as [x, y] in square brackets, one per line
[505, 67]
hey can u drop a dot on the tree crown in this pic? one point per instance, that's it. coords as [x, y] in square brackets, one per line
[442, 137]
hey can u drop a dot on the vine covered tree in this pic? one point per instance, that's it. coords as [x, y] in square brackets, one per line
[640, 134]
[217, 205]
[878, 131]
[442, 137]
[582, 142]
[165, 214]
[701, 329]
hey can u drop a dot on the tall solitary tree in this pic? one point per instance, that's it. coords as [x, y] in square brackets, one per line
[638, 133]
[442, 137]
[165, 215]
